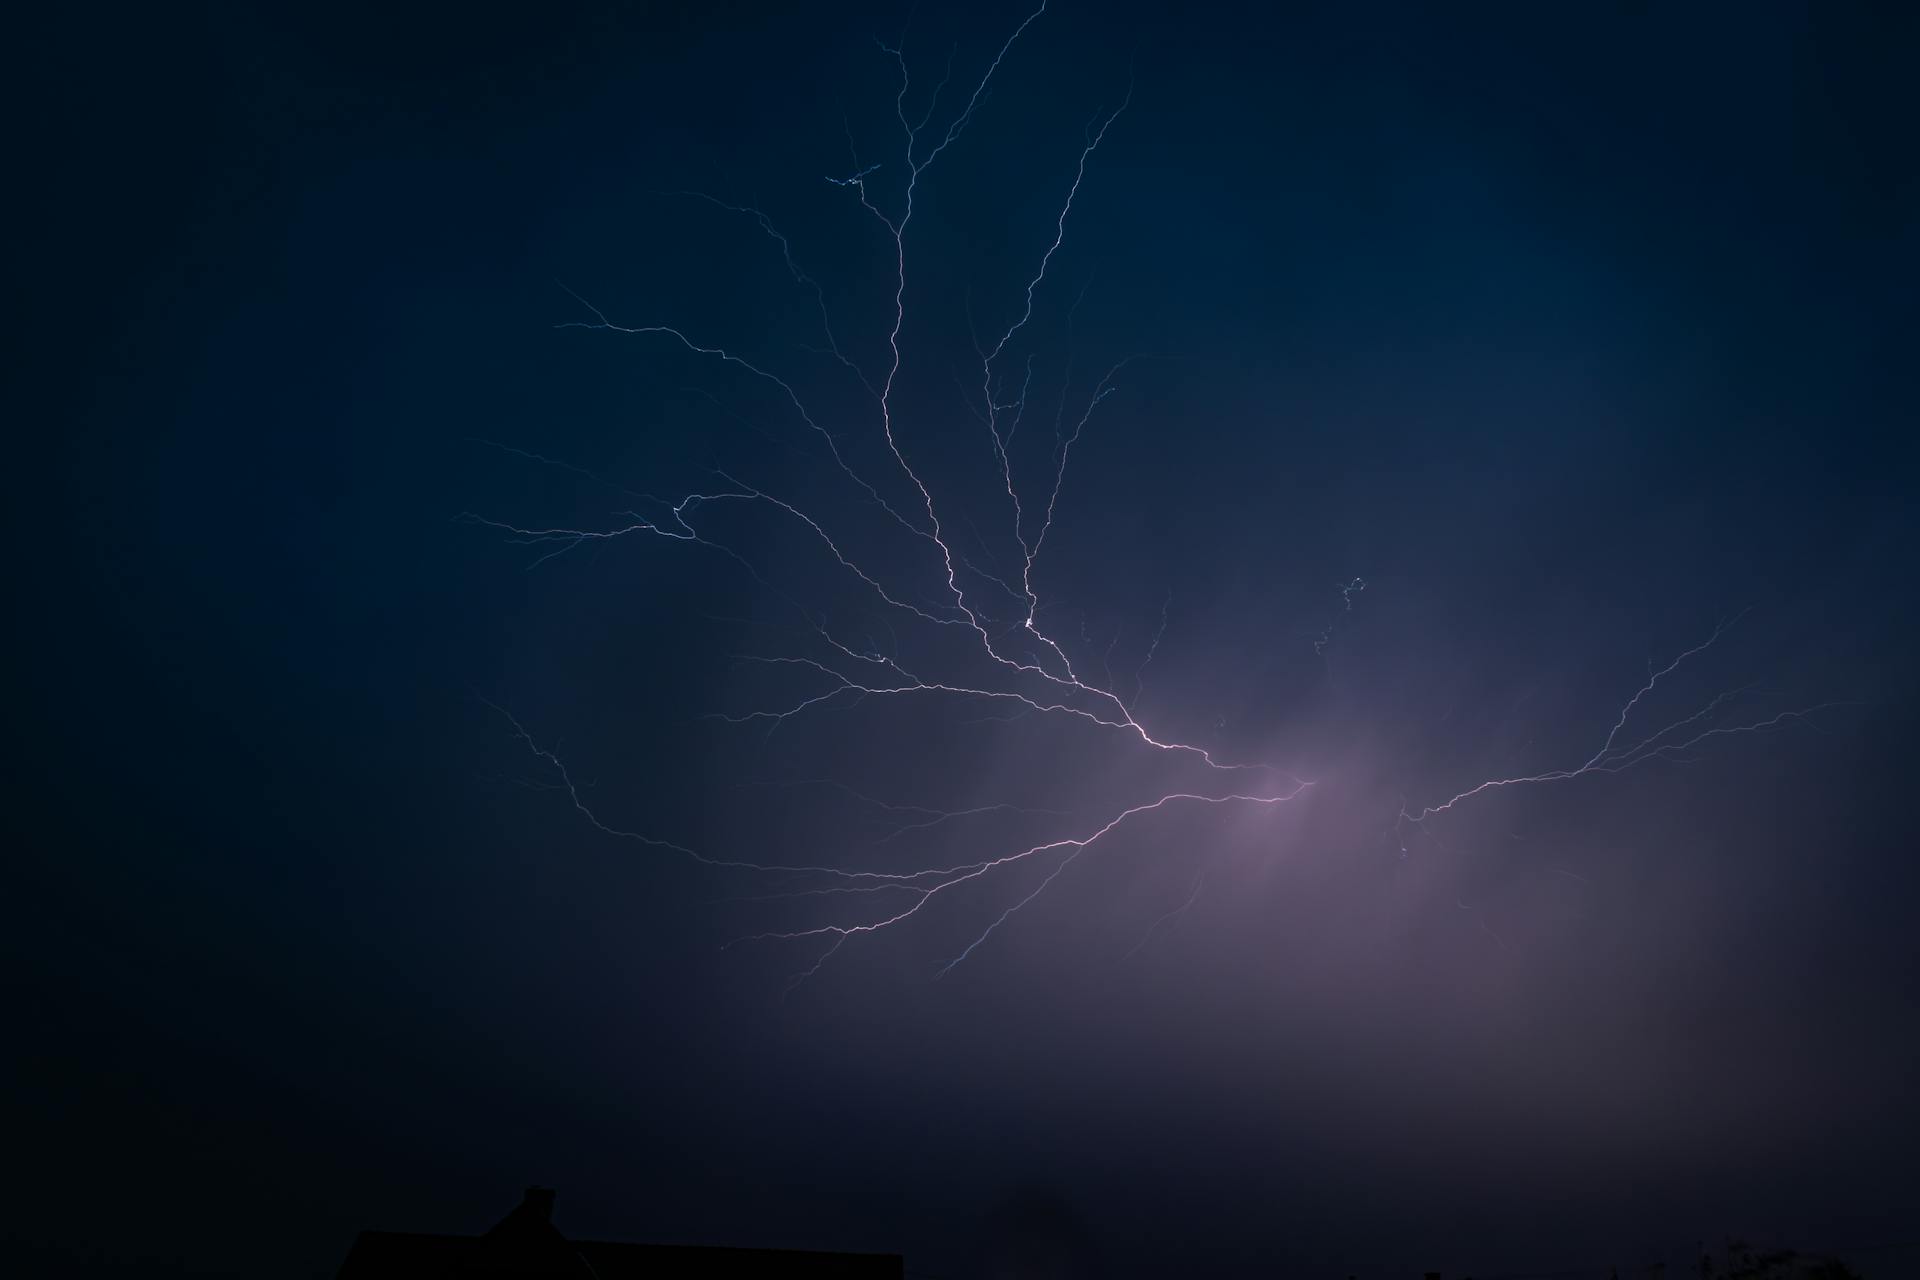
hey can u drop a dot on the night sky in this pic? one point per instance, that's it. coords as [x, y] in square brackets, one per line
[1474, 362]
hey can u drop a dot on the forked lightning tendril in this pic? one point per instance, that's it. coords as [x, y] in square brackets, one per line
[924, 581]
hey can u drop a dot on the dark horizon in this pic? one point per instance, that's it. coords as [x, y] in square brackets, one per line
[1492, 427]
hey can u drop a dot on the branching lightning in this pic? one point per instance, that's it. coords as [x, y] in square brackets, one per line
[1017, 665]
[1672, 741]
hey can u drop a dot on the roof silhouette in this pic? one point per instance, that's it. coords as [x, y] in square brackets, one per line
[525, 1245]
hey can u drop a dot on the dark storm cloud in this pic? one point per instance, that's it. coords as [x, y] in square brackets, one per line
[1573, 335]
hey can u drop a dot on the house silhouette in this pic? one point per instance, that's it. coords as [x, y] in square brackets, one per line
[525, 1245]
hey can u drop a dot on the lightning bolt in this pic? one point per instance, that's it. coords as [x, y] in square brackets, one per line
[1192, 897]
[1347, 591]
[994, 651]
[1671, 741]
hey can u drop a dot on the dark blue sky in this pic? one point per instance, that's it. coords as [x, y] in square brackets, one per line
[1573, 333]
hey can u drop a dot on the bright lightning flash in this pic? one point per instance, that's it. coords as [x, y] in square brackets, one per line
[1016, 663]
